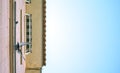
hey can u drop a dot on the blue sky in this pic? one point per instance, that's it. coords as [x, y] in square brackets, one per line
[83, 36]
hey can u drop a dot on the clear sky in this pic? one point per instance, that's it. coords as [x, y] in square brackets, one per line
[83, 36]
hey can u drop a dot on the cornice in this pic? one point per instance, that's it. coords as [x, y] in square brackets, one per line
[44, 31]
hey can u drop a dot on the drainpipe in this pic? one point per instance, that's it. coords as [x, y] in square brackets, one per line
[14, 43]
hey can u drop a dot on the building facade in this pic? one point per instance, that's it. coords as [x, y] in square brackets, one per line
[22, 30]
[35, 13]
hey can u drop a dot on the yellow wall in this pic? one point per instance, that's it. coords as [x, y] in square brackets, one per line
[34, 59]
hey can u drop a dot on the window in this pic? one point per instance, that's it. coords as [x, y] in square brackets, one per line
[28, 1]
[28, 32]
